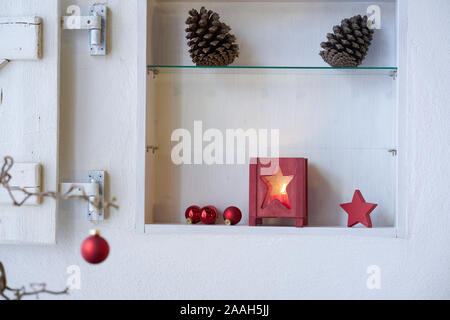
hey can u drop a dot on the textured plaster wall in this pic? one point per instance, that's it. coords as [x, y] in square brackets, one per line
[98, 131]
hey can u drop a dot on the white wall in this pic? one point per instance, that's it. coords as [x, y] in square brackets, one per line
[98, 131]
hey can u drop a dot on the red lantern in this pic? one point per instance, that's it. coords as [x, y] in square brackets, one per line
[232, 216]
[193, 215]
[279, 189]
[209, 215]
[95, 249]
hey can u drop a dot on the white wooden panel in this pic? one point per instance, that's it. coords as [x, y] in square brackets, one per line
[29, 115]
[20, 38]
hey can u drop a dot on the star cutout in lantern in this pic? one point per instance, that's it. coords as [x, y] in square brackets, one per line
[359, 210]
[277, 188]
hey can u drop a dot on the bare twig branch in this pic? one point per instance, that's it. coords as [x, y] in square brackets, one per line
[36, 289]
[5, 179]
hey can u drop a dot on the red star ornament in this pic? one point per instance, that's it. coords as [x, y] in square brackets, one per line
[359, 210]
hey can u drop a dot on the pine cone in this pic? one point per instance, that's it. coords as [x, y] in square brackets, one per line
[210, 41]
[349, 44]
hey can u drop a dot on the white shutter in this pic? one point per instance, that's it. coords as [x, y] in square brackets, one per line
[29, 116]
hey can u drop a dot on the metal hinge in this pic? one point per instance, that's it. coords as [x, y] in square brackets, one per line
[153, 149]
[394, 152]
[394, 74]
[154, 71]
[95, 190]
[95, 23]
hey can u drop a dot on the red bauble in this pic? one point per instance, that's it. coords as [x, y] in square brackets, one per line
[193, 215]
[209, 215]
[95, 249]
[232, 216]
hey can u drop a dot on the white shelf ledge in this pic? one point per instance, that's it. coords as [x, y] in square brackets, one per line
[181, 229]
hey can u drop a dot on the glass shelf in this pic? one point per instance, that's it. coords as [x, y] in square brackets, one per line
[388, 71]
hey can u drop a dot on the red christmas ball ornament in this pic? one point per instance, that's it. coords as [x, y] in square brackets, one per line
[193, 215]
[209, 215]
[232, 216]
[95, 249]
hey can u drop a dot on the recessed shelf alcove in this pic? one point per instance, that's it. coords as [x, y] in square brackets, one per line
[344, 120]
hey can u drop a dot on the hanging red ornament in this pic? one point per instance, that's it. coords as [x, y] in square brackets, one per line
[193, 215]
[209, 215]
[95, 249]
[232, 216]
